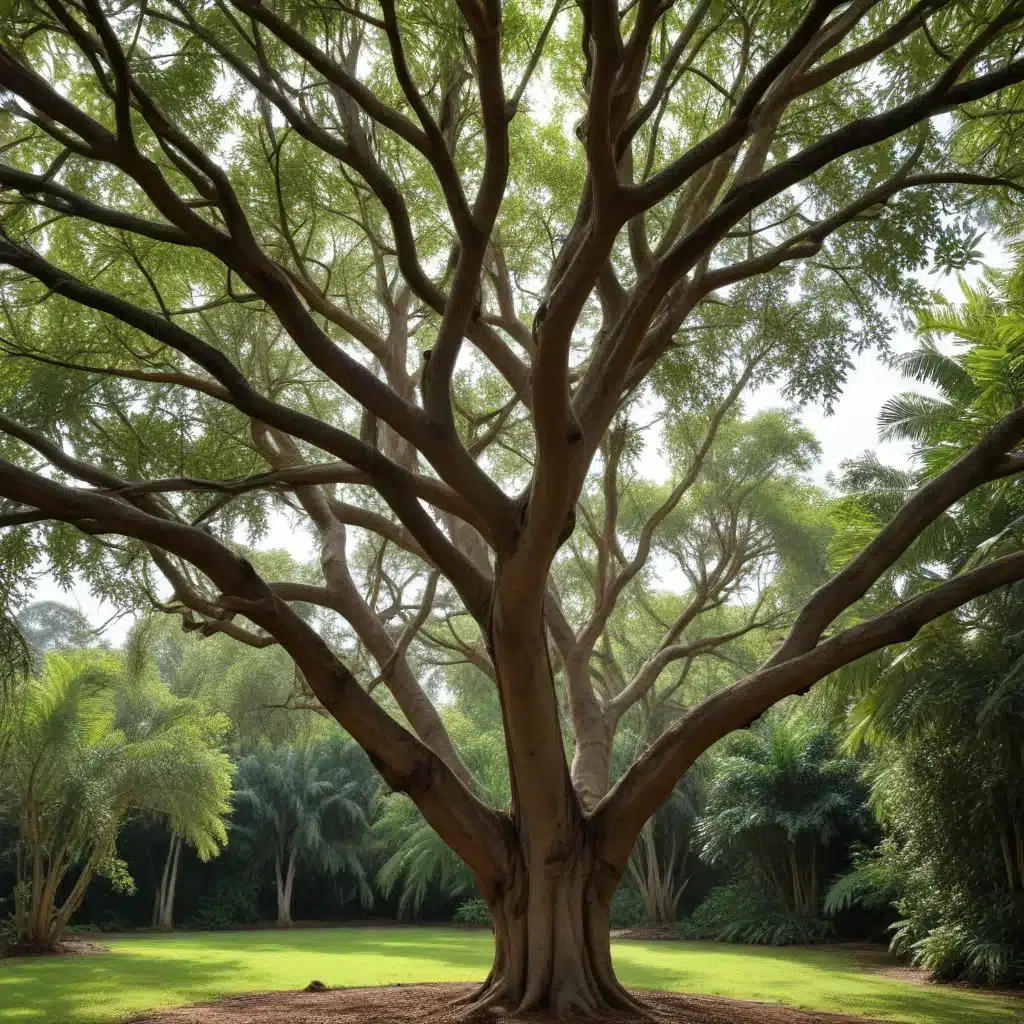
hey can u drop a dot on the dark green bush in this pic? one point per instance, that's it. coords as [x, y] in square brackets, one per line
[473, 912]
[744, 911]
[228, 903]
[627, 910]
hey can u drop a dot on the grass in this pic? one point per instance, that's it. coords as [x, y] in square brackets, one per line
[145, 973]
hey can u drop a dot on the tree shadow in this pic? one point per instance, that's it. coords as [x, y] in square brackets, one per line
[144, 974]
[76, 990]
[840, 984]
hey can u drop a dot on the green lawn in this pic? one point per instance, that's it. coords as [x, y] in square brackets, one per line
[161, 971]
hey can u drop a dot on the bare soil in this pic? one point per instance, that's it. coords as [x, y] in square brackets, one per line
[418, 1004]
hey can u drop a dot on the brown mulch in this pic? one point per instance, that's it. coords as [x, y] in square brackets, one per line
[419, 1004]
[67, 947]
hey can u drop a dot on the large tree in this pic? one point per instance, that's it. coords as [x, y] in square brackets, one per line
[407, 270]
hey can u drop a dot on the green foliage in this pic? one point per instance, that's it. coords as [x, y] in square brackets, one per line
[746, 911]
[628, 909]
[418, 862]
[943, 715]
[228, 903]
[87, 746]
[782, 807]
[254, 688]
[421, 862]
[472, 912]
[306, 804]
[872, 881]
[49, 626]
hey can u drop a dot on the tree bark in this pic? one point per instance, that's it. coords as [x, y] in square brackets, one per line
[168, 885]
[285, 879]
[288, 886]
[552, 944]
[161, 889]
[284, 917]
[550, 908]
[592, 757]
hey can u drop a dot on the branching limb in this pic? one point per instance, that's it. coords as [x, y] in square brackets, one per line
[477, 833]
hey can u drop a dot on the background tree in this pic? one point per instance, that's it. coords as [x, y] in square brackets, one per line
[782, 808]
[418, 862]
[660, 864]
[942, 714]
[305, 805]
[87, 747]
[242, 238]
[50, 626]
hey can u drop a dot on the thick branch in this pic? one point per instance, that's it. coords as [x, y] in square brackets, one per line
[476, 833]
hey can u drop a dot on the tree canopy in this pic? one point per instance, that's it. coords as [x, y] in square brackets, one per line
[429, 277]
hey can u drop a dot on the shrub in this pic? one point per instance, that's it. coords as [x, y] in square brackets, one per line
[743, 911]
[627, 910]
[473, 912]
[229, 902]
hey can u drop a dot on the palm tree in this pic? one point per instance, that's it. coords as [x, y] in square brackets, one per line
[659, 861]
[962, 674]
[305, 803]
[87, 744]
[780, 796]
[163, 903]
[943, 713]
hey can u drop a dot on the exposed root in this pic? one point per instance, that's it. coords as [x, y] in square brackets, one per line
[495, 998]
[478, 993]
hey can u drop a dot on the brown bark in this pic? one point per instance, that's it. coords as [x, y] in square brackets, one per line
[550, 904]
[284, 876]
[552, 939]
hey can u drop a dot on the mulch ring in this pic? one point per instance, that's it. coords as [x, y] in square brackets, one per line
[412, 1004]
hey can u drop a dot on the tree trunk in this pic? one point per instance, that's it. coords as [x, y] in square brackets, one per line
[285, 878]
[161, 889]
[1018, 833]
[552, 946]
[169, 884]
[592, 757]
[288, 886]
[550, 909]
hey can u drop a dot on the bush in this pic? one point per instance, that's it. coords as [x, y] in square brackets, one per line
[473, 912]
[978, 944]
[627, 910]
[230, 902]
[742, 911]
[952, 953]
